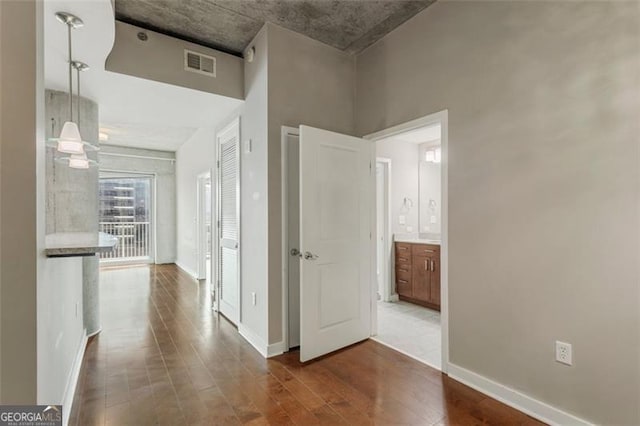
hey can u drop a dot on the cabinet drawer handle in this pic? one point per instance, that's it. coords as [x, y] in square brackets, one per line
[403, 281]
[428, 251]
[402, 259]
[426, 267]
[433, 266]
[401, 248]
[403, 270]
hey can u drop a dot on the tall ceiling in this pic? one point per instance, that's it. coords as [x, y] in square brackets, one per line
[229, 25]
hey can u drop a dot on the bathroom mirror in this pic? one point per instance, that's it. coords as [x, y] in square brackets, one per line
[430, 193]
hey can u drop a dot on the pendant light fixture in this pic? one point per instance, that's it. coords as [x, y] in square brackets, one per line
[70, 141]
[79, 161]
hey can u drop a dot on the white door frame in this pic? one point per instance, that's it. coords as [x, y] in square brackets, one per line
[441, 117]
[284, 140]
[201, 223]
[217, 256]
[387, 273]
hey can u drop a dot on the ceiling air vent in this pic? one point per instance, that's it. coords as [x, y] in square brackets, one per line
[197, 62]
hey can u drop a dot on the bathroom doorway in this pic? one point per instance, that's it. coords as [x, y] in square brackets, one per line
[411, 247]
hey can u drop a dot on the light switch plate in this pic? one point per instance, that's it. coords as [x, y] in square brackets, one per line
[433, 219]
[402, 219]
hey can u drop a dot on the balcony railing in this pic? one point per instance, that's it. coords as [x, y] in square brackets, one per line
[134, 241]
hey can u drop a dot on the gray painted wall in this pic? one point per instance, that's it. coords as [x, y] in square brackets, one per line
[253, 197]
[165, 235]
[308, 83]
[543, 186]
[19, 88]
[161, 58]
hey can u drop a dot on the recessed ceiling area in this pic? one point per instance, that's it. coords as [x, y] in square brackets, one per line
[133, 112]
[229, 25]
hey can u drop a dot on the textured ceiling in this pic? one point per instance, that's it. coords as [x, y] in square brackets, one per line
[229, 25]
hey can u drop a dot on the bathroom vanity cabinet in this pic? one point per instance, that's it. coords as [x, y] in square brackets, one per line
[418, 273]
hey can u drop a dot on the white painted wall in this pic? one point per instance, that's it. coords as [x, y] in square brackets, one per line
[60, 327]
[194, 157]
[165, 202]
[405, 178]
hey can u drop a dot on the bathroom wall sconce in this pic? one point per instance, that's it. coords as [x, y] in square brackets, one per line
[407, 204]
[434, 155]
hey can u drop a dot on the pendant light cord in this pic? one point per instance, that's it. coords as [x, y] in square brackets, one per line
[78, 92]
[70, 76]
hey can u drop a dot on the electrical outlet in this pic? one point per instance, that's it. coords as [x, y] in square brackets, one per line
[253, 298]
[409, 228]
[402, 220]
[564, 353]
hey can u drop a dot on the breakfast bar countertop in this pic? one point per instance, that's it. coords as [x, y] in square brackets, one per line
[66, 244]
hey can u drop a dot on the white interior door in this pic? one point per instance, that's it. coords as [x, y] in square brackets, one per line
[336, 190]
[229, 222]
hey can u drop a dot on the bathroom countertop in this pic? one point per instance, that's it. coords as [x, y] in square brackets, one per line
[66, 244]
[416, 240]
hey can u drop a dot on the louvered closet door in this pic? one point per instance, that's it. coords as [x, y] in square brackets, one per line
[229, 222]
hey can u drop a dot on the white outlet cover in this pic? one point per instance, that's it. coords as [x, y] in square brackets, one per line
[564, 353]
[409, 228]
[402, 219]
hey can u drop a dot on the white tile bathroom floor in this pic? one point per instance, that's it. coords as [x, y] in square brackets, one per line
[411, 329]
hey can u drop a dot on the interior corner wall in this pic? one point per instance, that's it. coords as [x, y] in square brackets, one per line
[128, 160]
[194, 157]
[309, 83]
[253, 194]
[544, 186]
[21, 92]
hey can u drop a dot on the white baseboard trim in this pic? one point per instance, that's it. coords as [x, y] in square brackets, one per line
[72, 383]
[261, 346]
[255, 340]
[513, 398]
[187, 270]
[275, 349]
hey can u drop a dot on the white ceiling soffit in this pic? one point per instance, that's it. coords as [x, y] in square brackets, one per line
[419, 136]
[125, 102]
[166, 138]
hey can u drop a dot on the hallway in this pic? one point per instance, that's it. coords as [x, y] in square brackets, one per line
[164, 358]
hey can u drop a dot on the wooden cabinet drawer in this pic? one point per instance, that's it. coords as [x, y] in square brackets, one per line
[403, 259]
[404, 287]
[403, 248]
[424, 250]
[403, 272]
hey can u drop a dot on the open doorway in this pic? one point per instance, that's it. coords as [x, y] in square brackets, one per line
[411, 248]
[204, 226]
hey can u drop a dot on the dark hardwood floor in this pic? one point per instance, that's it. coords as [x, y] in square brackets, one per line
[163, 357]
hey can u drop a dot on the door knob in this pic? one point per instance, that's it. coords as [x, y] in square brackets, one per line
[295, 252]
[310, 256]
